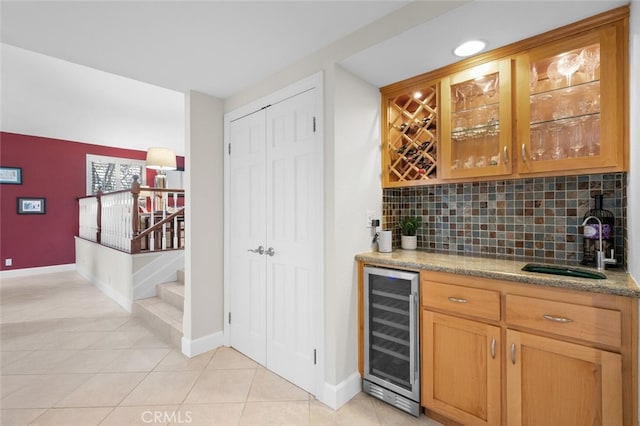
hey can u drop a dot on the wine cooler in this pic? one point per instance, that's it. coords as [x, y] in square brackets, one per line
[391, 357]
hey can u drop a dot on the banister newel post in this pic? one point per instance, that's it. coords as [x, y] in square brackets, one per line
[135, 220]
[99, 214]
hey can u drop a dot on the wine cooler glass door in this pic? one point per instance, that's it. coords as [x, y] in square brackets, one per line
[391, 339]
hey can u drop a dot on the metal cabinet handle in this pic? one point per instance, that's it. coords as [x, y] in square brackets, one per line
[270, 251]
[493, 348]
[505, 154]
[259, 250]
[557, 319]
[457, 299]
[524, 153]
[513, 353]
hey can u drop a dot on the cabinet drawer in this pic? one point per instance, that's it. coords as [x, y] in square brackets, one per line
[565, 319]
[462, 300]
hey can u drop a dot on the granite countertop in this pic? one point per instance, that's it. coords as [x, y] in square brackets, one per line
[618, 282]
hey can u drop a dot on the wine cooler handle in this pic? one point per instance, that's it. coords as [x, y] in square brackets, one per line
[493, 348]
[412, 314]
[505, 154]
[524, 153]
[513, 353]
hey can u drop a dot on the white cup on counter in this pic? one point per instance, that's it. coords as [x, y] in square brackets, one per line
[384, 241]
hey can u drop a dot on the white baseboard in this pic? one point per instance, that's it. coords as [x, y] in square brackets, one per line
[335, 396]
[125, 303]
[203, 344]
[25, 272]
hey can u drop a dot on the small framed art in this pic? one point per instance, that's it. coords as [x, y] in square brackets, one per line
[31, 205]
[11, 175]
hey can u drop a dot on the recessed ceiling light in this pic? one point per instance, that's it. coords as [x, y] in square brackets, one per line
[470, 47]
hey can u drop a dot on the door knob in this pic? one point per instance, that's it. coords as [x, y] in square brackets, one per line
[270, 251]
[259, 250]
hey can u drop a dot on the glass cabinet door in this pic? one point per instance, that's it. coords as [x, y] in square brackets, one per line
[565, 113]
[410, 151]
[476, 122]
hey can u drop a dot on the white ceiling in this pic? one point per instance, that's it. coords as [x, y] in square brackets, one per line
[214, 47]
[221, 47]
[149, 53]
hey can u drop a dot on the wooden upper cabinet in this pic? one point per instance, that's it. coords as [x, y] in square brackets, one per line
[553, 104]
[476, 121]
[410, 137]
[570, 103]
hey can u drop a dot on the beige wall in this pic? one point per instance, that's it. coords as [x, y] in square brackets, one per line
[204, 195]
[356, 188]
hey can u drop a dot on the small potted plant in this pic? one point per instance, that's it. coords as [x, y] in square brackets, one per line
[408, 226]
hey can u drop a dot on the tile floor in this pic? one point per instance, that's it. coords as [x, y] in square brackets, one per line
[71, 356]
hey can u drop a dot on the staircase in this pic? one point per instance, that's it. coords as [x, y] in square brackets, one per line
[163, 313]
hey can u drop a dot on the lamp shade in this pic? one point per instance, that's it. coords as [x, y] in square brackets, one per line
[161, 159]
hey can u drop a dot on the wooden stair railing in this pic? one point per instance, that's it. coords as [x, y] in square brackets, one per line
[175, 217]
[118, 220]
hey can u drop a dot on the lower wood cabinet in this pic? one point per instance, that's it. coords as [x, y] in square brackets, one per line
[503, 353]
[461, 362]
[551, 382]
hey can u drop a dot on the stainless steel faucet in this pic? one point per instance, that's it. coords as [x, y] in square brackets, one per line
[601, 259]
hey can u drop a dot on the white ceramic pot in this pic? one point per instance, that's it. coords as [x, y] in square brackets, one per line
[409, 242]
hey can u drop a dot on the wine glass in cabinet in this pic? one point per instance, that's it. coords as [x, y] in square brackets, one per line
[409, 151]
[569, 104]
[476, 121]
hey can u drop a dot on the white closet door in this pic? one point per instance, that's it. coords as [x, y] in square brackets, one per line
[276, 202]
[294, 201]
[248, 232]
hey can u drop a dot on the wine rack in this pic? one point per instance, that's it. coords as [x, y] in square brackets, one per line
[412, 137]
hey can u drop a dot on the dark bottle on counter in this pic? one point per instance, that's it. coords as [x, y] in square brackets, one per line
[591, 232]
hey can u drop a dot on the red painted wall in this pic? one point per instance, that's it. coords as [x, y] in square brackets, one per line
[53, 169]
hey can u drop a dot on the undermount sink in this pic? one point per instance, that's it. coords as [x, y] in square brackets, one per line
[568, 271]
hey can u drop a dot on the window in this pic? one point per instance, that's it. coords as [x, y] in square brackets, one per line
[112, 174]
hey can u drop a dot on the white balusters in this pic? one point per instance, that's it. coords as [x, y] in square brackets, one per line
[152, 221]
[117, 215]
[88, 220]
[176, 230]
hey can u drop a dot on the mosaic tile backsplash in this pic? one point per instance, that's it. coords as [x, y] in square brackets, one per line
[529, 219]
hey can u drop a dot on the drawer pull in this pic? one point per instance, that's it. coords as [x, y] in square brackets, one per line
[493, 348]
[457, 299]
[557, 319]
[513, 353]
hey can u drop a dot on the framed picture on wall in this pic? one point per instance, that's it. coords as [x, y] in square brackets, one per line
[31, 205]
[11, 175]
